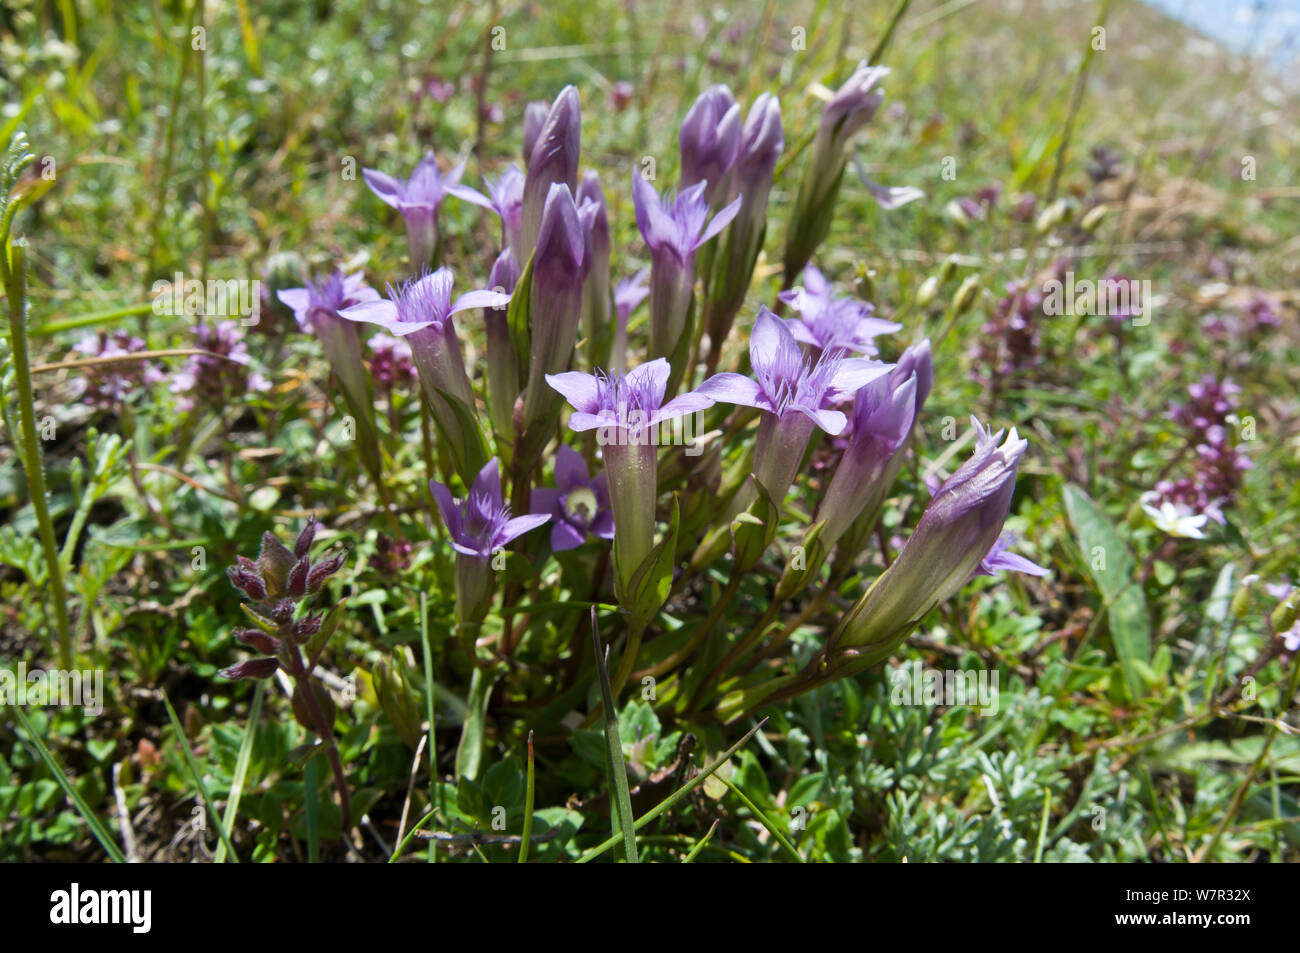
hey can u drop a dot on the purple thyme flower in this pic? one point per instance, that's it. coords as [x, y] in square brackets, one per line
[508, 201]
[674, 228]
[788, 381]
[710, 139]
[108, 385]
[418, 198]
[481, 523]
[390, 362]
[829, 323]
[216, 377]
[578, 504]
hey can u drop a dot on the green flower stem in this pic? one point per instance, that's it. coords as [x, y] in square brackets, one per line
[16, 289]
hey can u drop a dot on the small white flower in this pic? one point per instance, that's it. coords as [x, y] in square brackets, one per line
[1176, 519]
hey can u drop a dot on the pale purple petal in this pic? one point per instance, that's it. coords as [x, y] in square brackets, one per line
[489, 481]
[385, 186]
[479, 299]
[520, 525]
[653, 375]
[733, 389]
[565, 536]
[582, 391]
[720, 221]
[446, 506]
[570, 469]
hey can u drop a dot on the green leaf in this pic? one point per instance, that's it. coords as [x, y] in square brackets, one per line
[198, 777]
[1112, 568]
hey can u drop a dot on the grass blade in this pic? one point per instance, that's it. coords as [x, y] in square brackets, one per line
[241, 770]
[772, 827]
[703, 842]
[667, 803]
[528, 806]
[435, 789]
[92, 820]
[620, 798]
[198, 777]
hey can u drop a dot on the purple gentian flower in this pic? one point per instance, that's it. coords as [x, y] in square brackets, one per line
[710, 139]
[762, 142]
[796, 393]
[481, 523]
[419, 303]
[851, 108]
[421, 311]
[674, 228]
[956, 532]
[503, 383]
[631, 402]
[626, 412]
[578, 504]
[322, 300]
[418, 198]
[883, 412]
[560, 266]
[829, 323]
[595, 298]
[787, 381]
[479, 526]
[535, 114]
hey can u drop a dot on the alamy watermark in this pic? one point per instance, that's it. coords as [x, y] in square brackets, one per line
[57, 687]
[911, 684]
[216, 297]
[1127, 298]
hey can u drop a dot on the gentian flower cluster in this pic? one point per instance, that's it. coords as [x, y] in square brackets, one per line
[649, 470]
